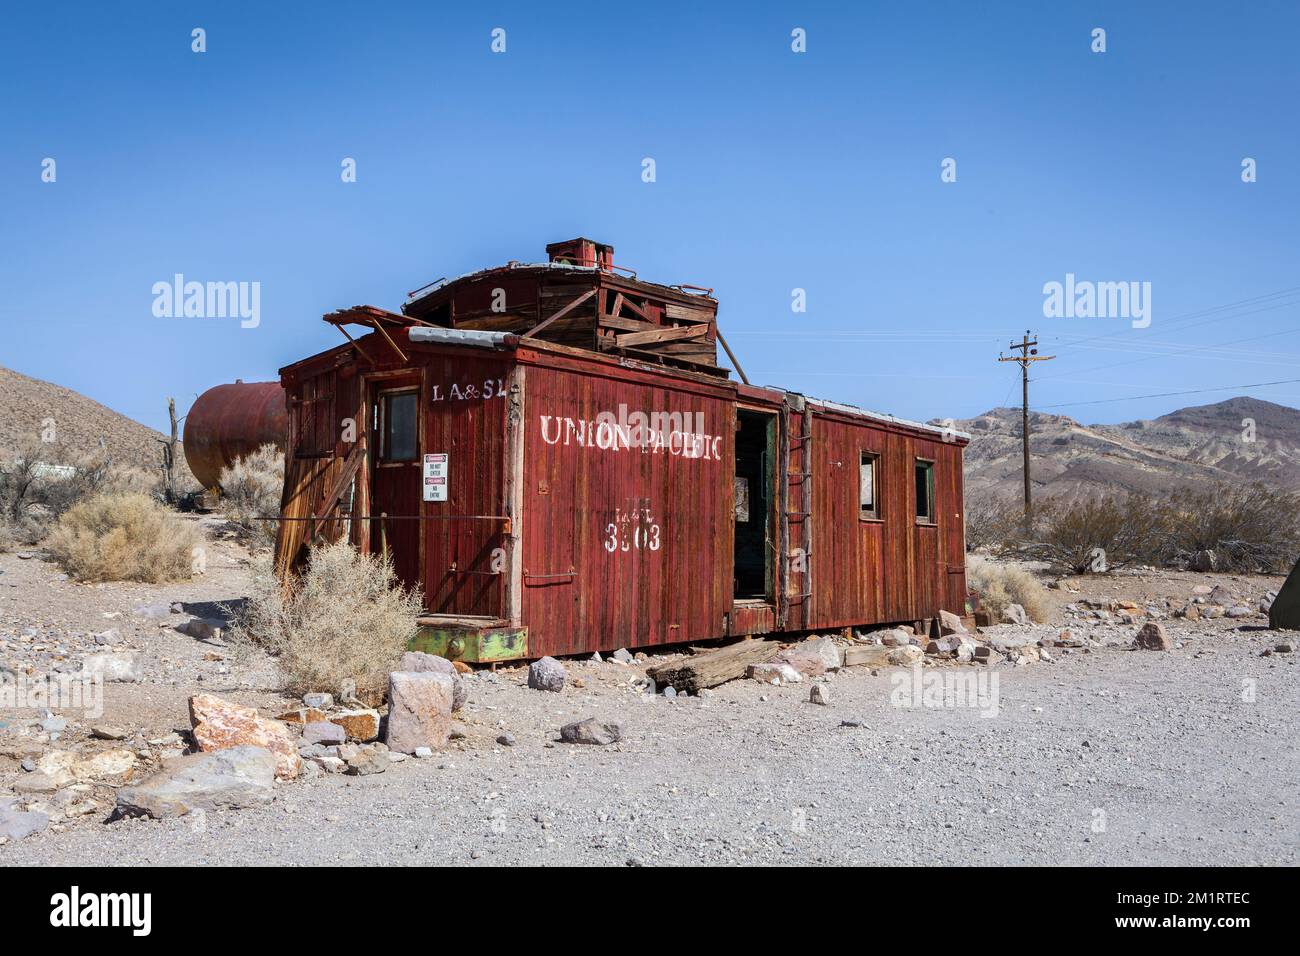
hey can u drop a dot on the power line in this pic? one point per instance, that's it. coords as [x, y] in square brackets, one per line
[1190, 391]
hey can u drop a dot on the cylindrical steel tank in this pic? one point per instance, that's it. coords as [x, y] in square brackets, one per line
[230, 421]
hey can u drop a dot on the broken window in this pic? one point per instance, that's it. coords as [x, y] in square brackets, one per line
[924, 491]
[867, 468]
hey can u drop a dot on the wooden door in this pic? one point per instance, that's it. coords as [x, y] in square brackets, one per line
[395, 474]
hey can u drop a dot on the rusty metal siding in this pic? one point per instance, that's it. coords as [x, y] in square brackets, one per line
[625, 547]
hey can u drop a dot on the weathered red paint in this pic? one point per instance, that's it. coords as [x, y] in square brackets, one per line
[557, 523]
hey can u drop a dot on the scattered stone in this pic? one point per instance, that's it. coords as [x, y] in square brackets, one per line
[462, 667]
[1014, 614]
[105, 638]
[318, 701]
[812, 658]
[368, 760]
[505, 740]
[596, 658]
[896, 637]
[114, 666]
[850, 722]
[419, 710]
[302, 715]
[203, 628]
[819, 694]
[324, 732]
[546, 674]
[1202, 589]
[1203, 561]
[1221, 595]
[64, 766]
[218, 724]
[1286, 647]
[773, 672]
[329, 763]
[950, 623]
[361, 725]
[1239, 611]
[670, 691]
[1212, 611]
[424, 752]
[591, 731]
[18, 824]
[54, 725]
[36, 782]
[1152, 637]
[108, 732]
[417, 662]
[232, 778]
[622, 656]
[906, 655]
[152, 612]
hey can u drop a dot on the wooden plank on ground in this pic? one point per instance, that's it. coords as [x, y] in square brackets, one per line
[713, 667]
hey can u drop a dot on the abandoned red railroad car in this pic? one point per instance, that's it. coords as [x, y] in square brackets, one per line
[552, 453]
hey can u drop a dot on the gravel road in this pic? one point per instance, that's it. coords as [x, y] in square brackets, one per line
[1105, 757]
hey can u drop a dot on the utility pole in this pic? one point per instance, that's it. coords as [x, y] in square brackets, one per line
[1028, 353]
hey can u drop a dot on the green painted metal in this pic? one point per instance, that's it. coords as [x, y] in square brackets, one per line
[472, 645]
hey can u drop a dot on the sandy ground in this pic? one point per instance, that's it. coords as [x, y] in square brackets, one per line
[1104, 756]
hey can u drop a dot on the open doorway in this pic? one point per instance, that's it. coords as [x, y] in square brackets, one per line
[755, 444]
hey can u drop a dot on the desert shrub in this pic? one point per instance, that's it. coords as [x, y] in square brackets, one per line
[43, 480]
[346, 616]
[992, 521]
[1248, 527]
[124, 537]
[251, 488]
[999, 584]
[1096, 532]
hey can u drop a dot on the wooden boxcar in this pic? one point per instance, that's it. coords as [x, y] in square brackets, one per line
[553, 455]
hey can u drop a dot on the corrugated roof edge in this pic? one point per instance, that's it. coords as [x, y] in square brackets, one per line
[946, 434]
[474, 337]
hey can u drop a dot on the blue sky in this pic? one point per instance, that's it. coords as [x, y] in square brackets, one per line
[775, 171]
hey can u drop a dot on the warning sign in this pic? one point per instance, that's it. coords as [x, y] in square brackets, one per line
[435, 477]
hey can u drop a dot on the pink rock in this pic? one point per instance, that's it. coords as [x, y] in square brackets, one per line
[220, 725]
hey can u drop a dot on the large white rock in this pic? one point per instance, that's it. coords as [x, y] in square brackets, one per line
[236, 777]
[419, 710]
[418, 662]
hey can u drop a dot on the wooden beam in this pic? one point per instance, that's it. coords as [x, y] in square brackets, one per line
[345, 476]
[559, 315]
[355, 343]
[663, 335]
[639, 310]
[627, 325]
[713, 667]
[739, 371]
[384, 332]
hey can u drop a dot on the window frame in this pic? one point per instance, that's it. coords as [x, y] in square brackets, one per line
[383, 409]
[930, 519]
[872, 514]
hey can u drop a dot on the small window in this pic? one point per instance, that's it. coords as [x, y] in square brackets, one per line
[400, 426]
[924, 491]
[867, 469]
